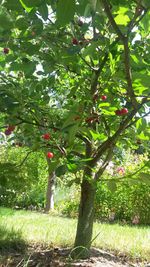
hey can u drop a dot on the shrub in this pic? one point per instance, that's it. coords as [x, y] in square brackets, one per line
[24, 184]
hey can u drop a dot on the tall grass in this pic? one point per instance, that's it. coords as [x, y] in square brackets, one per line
[58, 231]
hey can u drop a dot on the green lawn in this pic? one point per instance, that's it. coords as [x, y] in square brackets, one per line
[59, 231]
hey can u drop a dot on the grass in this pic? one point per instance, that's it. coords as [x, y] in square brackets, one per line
[52, 230]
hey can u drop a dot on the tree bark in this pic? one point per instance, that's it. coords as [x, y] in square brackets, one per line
[85, 219]
[50, 192]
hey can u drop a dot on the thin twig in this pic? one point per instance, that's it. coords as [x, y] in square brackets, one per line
[129, 176]
[141, 117]
[86, 62]
[111, 19]
[25, 158]
[130, 90]
[137, 13]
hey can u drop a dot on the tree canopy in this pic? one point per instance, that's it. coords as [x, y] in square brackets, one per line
[79, 70]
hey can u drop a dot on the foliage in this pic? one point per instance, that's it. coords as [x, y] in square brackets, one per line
[79, 70]
[125, 203]
[62, 83]
[24, 184]
[26, 187]
[129, 197]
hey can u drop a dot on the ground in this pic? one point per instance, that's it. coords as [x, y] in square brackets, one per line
[44, 257]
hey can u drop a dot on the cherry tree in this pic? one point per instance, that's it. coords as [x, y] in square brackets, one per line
[79, 69]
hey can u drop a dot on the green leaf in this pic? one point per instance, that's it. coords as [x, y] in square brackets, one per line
[141, 78]
[31, 3]
[139, 124]
[72, 167]
[104, 105]
[142, 136]
[72, 132]
[145, 22]
[65, 11]
[68, 122]
[87, 11]
[22, 23]
[93, 4]
[111, 186]
[43, 9]
[73, 50]
[97, 136]
[5, 20]
[145, 177]
[61, 170]
[122, 19]
[52, 166]
[13, 5]
[28, 9]
[146, 3]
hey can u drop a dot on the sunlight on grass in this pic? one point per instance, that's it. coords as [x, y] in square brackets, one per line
[126, 239]
[59, 231]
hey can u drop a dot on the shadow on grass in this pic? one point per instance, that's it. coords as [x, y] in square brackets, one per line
[11, 241]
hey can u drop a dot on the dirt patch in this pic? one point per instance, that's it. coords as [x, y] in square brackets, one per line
[40, 257]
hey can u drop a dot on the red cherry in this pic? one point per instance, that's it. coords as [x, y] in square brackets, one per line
[55, 129]
[80, 23]
[50, 155]
[124, 111]
[118, 112]
[139, 142]
[92, 119]
[77, 118]
[33, 33]
[11, 128]
[46, 136]
[8, 132]
[75, 41]
[6, 50]
[103, 97]
[18, 144]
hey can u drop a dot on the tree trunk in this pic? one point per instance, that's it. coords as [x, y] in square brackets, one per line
[50, 192]
[85, 219]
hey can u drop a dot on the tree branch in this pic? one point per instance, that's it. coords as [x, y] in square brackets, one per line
[101, 149]
[104, 165]
[129, 176]
[78, 154]
[86, 62]
[130, 90]
[30, 122]
[97, 74]
[137, 13]
[25, 158]
[111, 19]
[133, 122]
[137, 22]
[124, 39]
[88, 144]
[111, 141]
[107, 129]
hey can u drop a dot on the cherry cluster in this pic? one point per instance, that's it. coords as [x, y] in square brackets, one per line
[6, 50]
[9, 129]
